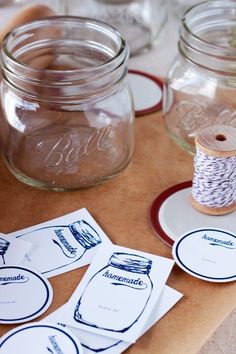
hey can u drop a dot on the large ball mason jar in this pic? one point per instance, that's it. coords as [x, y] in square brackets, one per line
[200, 89]
[140, 21]
[67, 107]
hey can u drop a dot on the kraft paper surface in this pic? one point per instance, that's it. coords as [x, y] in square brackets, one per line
[121, 207]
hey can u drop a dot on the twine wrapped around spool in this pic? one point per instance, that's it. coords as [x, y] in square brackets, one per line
[214, 182]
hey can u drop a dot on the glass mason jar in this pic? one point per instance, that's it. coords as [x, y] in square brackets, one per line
[10, 8]
[200, 88]
[67, 107]
[140, 21]
[179, 7]
[17, 12]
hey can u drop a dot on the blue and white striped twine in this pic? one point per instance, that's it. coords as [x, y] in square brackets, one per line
[214, 181]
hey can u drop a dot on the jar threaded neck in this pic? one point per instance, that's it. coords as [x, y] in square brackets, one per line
[64, 57]
[208, 36]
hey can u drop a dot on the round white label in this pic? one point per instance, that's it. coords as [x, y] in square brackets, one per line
[24, 294]
[208, 254]
[40, 338]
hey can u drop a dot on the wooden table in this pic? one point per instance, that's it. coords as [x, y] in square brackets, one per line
[122, 208]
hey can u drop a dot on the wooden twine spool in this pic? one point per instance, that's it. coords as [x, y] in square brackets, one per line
[214, 182]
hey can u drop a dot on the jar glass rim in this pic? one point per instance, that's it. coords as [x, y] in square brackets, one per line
[121, 53]
[200, 9]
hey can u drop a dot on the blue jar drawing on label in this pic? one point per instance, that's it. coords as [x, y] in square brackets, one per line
[124, 279]
[58, 246]
[4, 244]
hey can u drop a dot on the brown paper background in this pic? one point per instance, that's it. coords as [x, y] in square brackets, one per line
[122, 208]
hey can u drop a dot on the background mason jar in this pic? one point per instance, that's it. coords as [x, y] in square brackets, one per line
[179, 7]
[200, 89]
[9, 8]
[140, 21]
[68, 111]
[14, 13]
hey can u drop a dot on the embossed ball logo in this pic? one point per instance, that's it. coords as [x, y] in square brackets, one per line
[60, 151]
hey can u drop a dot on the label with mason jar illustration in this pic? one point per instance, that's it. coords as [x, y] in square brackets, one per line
[94, 343]
[12, 251]
[62, 244]
[118, 292]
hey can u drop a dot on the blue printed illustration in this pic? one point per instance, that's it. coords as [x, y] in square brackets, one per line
[116, 296]
[56, 349]
[14, 279]
[56, 247]
[101, 347]
[218, 242]
[4, 244]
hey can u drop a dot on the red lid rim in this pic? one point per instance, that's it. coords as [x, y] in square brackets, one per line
[155, 208]
[160, 84]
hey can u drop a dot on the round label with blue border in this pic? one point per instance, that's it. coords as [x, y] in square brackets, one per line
[207, 253]
[24, 294]
[40, 338]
